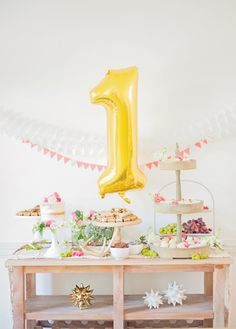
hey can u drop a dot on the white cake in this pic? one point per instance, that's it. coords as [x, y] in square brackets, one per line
[53, 208]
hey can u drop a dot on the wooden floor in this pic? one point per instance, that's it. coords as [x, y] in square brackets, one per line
[196, 307]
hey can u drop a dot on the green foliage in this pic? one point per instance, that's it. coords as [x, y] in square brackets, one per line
[83, 229]
[39, 227]
[32, 246]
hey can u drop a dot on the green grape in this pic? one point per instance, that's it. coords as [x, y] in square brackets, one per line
[146, 251]
[199, 256]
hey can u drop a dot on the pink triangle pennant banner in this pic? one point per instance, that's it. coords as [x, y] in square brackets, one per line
[86, 165]
[92, 166]
[155, 163]
[99, 167]
[205, 141]
[79, 164]
[59, 157]
[198, 144]
[45, 150]
[52, 154]
[187, 150]
[66, 160]
[149, 165]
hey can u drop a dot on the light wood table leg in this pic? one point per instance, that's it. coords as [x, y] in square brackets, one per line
[16, 276]
[228, 297]
[30, 292]
[208, 291]
[118, 297]
[219, 296]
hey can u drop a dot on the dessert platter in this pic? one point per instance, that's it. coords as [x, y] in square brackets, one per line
[117, 218]
[183, 206]
[177, 163]
[31, 213]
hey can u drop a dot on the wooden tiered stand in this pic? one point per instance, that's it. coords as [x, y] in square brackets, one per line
[179, 209]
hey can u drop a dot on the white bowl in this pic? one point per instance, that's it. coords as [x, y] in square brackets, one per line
[135, 249]
[119, 253]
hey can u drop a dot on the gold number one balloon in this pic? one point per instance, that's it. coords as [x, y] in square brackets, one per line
[117, 92]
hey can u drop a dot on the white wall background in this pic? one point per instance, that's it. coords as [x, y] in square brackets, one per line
[53, 52]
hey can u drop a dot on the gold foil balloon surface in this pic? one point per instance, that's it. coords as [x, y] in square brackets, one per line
[117, 92]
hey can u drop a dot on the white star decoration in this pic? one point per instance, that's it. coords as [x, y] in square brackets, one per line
[153, 299]
[175, 293]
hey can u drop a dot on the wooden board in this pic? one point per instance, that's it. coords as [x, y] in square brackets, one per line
[178, 165]
[197, 307]
[191, 208]
[61, 308]
[46, 265]
[116, 224]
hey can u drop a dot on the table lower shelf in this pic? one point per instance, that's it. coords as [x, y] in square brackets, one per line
[196, 307]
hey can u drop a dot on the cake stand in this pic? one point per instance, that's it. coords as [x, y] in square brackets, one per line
[116, 237]
[117, 227]
[179, 208]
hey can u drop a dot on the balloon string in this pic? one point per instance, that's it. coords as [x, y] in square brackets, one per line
[122, 195]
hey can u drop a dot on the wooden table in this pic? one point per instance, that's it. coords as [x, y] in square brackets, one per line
[212, 306]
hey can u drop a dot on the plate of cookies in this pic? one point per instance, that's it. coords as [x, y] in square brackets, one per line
[115, 217]
[32, 213]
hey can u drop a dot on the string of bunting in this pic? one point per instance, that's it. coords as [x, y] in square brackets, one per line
[65, 159]
[94, 166]
[187, 151]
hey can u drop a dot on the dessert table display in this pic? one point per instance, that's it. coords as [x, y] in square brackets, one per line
[97, 246]
[95, 242]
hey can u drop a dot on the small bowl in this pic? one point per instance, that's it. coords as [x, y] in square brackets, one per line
[119, 253]
[135, 249]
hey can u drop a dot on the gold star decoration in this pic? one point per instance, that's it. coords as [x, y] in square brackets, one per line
[81, 296]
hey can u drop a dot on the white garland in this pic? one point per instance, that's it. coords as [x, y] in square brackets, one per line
[91, 148]
[61, 140]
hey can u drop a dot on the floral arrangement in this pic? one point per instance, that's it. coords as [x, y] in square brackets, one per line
[83, 229]
[47, 224]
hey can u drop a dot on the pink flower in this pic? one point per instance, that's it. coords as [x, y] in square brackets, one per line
[74, 217]
[80, 222]
[205, 208]
[186, 244]
[77, 253]
[57, 197]
[174, 203]
[184, 235]
[158, 198]
[49, 223]
[91, 214]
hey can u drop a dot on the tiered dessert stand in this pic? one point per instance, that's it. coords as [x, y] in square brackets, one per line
[179, 208]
